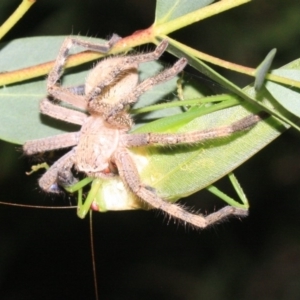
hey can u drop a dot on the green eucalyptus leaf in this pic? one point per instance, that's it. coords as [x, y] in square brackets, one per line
[167, 10]
[253, 97]
[19, 105]
[174, 172]
[288, 97]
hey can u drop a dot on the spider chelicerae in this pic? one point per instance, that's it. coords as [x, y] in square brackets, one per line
[102, 143]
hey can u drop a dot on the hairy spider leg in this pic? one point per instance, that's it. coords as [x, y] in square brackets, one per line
[62, 113]
[60, 141]
[53, 87]
[143, 139]
[129, 173]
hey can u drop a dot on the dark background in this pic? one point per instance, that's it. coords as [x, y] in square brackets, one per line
[45, 254]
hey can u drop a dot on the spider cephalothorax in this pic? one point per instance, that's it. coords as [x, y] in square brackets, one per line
[103, 140]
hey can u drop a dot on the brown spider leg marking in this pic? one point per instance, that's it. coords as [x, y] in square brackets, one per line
[128, 62]
[129, 174]
[48, 182]
[143, 139]
[147, 84]
[53, 87]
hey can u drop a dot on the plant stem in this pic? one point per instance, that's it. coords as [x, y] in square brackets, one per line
[15, 17]
[231, 66]
[196, 16]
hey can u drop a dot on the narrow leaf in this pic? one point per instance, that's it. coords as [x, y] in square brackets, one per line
[263, 69]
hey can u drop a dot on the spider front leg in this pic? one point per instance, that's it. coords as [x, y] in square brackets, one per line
[130, 176]
[65, 94]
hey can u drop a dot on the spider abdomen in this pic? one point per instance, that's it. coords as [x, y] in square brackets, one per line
[113, 78]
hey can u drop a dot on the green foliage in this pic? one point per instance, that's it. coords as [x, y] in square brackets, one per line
[288, 97]
[263, 69]
[170, 10]
[176, 172]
